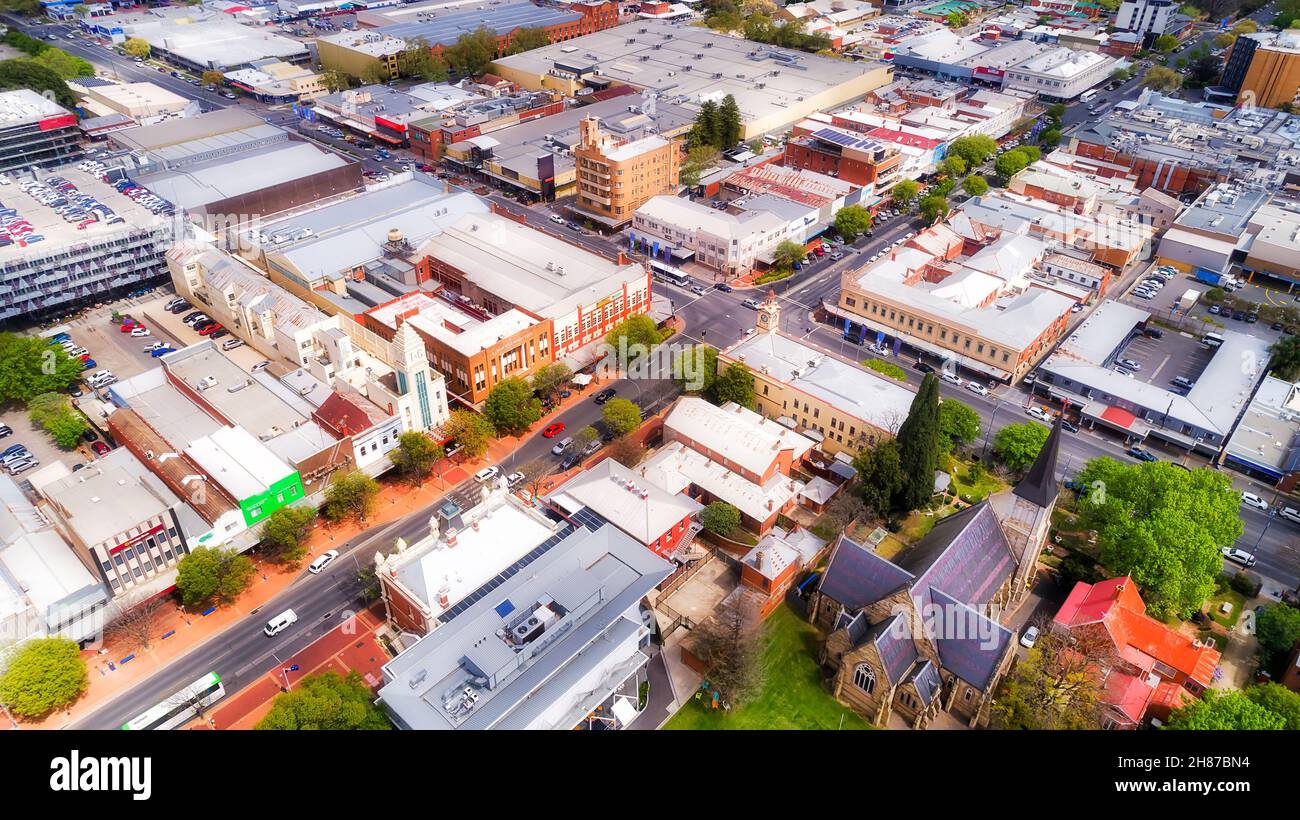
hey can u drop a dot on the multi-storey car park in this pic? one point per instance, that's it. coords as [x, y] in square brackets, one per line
[76, 262]
[35, 131]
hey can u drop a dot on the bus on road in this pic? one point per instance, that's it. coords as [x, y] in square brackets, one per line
[181, 707]
[669, 274]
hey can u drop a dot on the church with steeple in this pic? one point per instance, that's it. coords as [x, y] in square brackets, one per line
[923, 634]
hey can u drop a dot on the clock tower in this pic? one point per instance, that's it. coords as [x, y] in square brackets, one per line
[769, 314]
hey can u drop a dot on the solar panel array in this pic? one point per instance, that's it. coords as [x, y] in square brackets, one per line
[584, 517]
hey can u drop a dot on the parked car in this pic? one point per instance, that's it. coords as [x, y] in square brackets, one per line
[159, 352]
[723, 286]
[1239, 556]
[100, 448]
[514, 479]
[922, 367]
[951, 378]
[1140, 454]
[140, 331]
[6, 431]
[1034, 411]
[561, 445]
[262, 365]
[977, 388]
[1130, 364]
[1252, 500]
[1029, 637]
[605, 395]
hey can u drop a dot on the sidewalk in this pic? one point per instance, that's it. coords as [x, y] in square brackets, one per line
[349, 646]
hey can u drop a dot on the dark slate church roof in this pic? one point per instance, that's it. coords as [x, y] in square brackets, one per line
[856, 576]
[970, 645]
[925, 677]
[893, 641]
[1039, 484]
[965, 555]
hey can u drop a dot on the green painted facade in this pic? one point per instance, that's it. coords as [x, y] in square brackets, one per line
[281, 494]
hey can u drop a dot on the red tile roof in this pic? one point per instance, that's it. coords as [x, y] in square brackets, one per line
[1117, 605]
[1130, 694]
[345, 415]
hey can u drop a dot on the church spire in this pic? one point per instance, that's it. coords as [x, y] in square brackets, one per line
[1039, 484]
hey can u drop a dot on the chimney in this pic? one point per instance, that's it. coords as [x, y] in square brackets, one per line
[451, 537]
[758, 560]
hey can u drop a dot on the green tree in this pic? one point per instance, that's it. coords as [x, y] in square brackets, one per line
[213, 78]
[527, 39]
[33, 75]
[634, 336]
[1120, 75]
[350, 495]
[327, 701]
[30, 367]
[284, 531]
[1245, 26]
[886, 369]
[621, 416]
[729, 125]
[1204, 71]
[1050, 137]
[1166, 43]
[64, 64]
[1285, 361]
[881, 476]
[419, 61]
[1057, 686]
[549, 378]
[334, 80]
[511, 406]
[470, 431]
[736, 383]
[472, 52]
[1164, 80]
[209, 574]
[933, 208]
[720, 518]
[695, 369]
[699, 158]
[1011, 163]
[136, 47]
[953, 166]
[1162, 525]
[53, 413]
[918, 445]
[1279, 700]
[955, 19]
[1018, 444]
[43, 674]
[415, 456]
[375, 73]
[707, 129]
[1032, 153]
[852, 221]
[586, 435]
[725, 21]
[975, 185]
[1277, 628]
[787, 253]
[958, 424]
[974, 149]
[1224, 711]
[905, 193]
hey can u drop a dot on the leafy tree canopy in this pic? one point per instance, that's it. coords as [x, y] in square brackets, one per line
[44, 674]
[326, 702]
[1220, 711]
[1018, 444]
[511, 406]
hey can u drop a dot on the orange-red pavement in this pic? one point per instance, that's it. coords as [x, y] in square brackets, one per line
[349, 646]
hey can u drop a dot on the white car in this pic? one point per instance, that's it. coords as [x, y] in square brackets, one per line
[140, 332]
[1039, 413]
[1029, 637]
[878, 349]
[1239, 556]
[323, 561]
[1252, 500]
[514, 479]
[977, 388]
[951, 378]
[487, 474]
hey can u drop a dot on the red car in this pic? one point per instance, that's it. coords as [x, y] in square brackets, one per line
[207, 330]
[100, 448]
[553, 430]
[125, 327]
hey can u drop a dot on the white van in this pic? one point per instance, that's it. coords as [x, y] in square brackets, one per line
[1291, 514]
[281, 622]
[487, 474]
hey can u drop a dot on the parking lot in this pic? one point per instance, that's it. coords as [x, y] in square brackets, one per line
[1162, 360]
[110, 350]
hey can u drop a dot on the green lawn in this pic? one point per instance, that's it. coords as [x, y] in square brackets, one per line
[793, 696]
[1231, 596]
